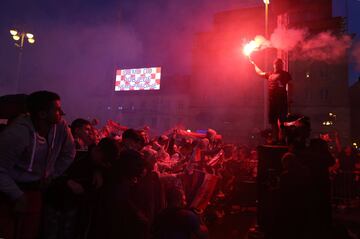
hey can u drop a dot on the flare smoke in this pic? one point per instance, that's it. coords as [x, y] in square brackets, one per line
[324, 46]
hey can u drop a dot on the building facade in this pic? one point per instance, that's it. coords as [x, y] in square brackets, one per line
[321, 88]
[161, 109]
[226, 94]
[355, 112]
[229, 96]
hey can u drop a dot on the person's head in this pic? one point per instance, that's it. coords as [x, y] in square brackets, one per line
[132, 139]
[186, 147]
[149, 155]
[163, 140]
[175, 197]
[203, 144]
[278, 65]
[130, 165]
[144, 134]
[82, 130]
[94, 122]
[243, 153]
[297, 129]
[211, 134]
[106, 152]
[45, 106]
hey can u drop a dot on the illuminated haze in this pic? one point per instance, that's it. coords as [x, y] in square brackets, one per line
[80, 43]
[324, 46]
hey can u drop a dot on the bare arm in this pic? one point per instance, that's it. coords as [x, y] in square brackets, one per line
[289, 87]
[257, 69]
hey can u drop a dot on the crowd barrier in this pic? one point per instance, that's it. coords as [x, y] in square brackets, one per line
[345, 186]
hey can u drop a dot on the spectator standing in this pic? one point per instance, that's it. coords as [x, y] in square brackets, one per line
[34, 149]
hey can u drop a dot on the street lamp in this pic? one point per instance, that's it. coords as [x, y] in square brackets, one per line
[266, 2]
[16, 35]
[22, 36]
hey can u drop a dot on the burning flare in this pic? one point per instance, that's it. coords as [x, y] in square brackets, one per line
[255, 45]
[249, 48]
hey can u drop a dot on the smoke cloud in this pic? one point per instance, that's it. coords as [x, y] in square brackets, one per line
[324, 46]
[80, 43]
[287, 39]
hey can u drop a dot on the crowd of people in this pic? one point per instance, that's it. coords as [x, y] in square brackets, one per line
[80, 181]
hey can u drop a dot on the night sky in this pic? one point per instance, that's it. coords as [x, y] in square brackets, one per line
[132, 33]
[80, 43]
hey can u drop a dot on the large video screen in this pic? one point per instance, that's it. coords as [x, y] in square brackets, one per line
[138, 79]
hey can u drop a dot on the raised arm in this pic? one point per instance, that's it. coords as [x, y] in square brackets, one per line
[257, 69]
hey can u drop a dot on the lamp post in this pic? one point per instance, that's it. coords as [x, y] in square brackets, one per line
[266, 2]
[19, 38]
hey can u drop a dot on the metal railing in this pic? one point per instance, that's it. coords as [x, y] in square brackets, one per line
[345, 186]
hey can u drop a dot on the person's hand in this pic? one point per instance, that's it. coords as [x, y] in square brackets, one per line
[21, 204]
[75, 187]
[250, 60]
[94, 122]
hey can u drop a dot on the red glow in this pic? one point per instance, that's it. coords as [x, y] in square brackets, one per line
[255, 45]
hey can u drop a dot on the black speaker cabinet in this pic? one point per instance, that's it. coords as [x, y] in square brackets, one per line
[269, 170]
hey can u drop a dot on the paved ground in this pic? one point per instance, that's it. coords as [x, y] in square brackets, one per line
[236, 226]
[233, 226]
[350, 218]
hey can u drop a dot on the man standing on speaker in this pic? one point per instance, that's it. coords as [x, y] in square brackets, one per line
[278, 88]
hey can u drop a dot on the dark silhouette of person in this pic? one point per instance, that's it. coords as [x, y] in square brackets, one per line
[34, 149]
[278, 90]
[305, 184]
[176, 221]
[117, 215]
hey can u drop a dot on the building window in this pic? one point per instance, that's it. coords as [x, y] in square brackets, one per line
[323, 74]
[324, 94]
